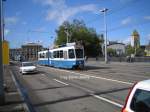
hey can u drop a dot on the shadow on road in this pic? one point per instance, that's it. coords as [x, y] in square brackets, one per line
[95, 67]
[79, 97]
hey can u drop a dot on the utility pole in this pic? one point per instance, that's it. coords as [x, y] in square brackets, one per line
[105, 27]
[67, 33]
[2, 98]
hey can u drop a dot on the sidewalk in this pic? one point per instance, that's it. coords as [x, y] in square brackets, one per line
[13, 100]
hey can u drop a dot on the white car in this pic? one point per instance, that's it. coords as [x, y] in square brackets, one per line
[138, 99]
[28, 67]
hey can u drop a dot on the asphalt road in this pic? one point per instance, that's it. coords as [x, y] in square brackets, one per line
[99, 88]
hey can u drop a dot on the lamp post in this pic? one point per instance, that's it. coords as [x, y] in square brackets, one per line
[2, 98]
[67, 33]
[3, 20]
[105, 27]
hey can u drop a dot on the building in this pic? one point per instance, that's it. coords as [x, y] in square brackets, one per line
[30, 51]
[147, 50]
[118, 47]
[27, 52]
[15, 54]
[135, 39]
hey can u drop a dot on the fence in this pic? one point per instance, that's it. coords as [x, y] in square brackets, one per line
[120, 59]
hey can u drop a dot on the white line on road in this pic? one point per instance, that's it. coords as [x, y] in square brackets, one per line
[91, 92]
[61, 82]
[91, 76]
[107, 100]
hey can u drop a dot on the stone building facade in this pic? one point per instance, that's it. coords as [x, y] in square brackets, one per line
[30, 51]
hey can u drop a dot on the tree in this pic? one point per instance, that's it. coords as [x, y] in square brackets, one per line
[111, 52]
[140, 52]
[130, 50]
[79, 32]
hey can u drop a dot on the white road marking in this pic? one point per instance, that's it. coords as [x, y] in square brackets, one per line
[91, 76]
[107, 100]
[92, 92]
[43, 74]
[61, 82]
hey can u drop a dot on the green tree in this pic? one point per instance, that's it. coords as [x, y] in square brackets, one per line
[140, 52]
[111, 52]
[79, 32]
[130, 50]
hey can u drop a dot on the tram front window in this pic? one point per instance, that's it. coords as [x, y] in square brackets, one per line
[79, 53]
[71, 53]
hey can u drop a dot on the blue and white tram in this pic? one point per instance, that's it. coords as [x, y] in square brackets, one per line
[44, 57]
[64, 57]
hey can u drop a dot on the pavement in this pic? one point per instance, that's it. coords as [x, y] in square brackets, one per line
[13, 99]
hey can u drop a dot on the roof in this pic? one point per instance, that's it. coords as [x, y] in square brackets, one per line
[116, 44]
[144, 84]
[32, 44]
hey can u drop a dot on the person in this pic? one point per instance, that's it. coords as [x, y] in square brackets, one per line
[132, 58]
[128, 58]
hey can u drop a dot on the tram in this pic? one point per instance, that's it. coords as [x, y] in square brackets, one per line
[70, 56]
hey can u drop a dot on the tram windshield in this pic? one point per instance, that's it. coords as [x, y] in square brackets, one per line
[79, 53]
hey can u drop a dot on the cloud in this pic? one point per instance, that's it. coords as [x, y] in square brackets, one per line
[11, 20]
[147, 17]
[126, 21]
[59, 11]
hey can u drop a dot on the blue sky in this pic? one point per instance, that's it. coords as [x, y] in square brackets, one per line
[37, 20]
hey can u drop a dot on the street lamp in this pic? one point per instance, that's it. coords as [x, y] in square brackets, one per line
[2, 99]
[105, 27]
[67, 33]
[3, 20]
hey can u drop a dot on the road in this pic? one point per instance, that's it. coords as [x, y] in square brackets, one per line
[99, 88]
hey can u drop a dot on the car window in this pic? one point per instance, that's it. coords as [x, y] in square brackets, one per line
[141, 101]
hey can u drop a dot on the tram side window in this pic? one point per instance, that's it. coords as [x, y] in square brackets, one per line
[50, 55]
[42, 55]
[57, 53]
[54, 54]
[46, 55]
[61, 54]
[71, 53]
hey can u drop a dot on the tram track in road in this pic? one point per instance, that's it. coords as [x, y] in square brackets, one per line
[90, 76]
[65, 97]
[92, 93]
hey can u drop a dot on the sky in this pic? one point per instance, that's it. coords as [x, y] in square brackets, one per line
[37, 20]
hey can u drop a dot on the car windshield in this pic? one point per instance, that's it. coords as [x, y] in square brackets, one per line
[27, 64]
[79, 53]
[141, 101]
